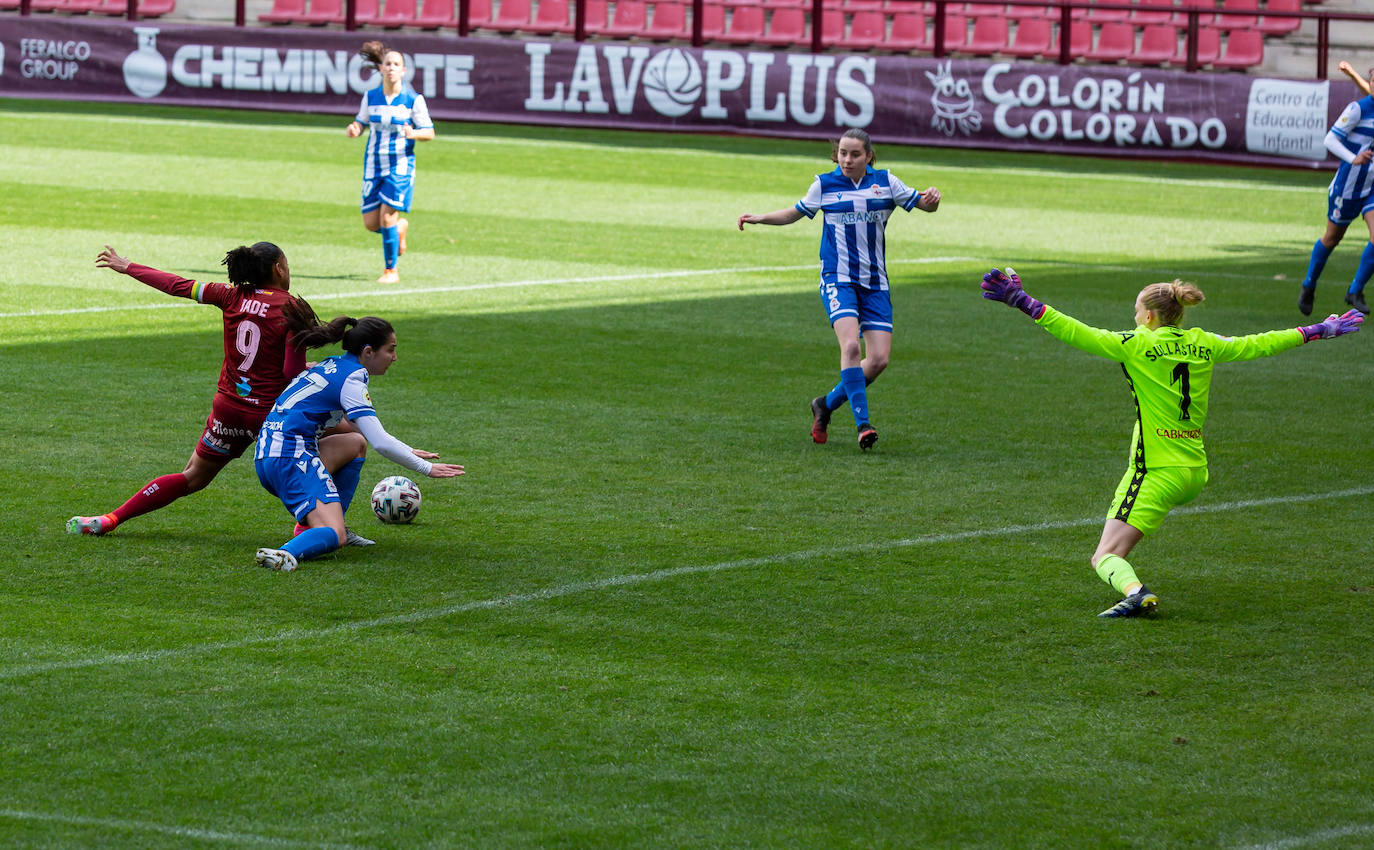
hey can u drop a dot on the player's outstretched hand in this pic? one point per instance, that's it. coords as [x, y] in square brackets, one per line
[1347, 323]
[1006, 287]
[445, 470]
[108, 259]
[930, 200]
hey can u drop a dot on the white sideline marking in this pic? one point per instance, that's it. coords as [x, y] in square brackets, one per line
[176, 831]
[513, 599]
[1312, 838]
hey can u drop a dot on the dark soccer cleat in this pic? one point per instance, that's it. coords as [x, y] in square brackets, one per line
[1356, 300]
[1140, 603]
[1305, 300]
[820, 419]
[868, 435]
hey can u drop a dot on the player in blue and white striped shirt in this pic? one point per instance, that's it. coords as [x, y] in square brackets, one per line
[1350, 196]
[396, 118]
[855, 201]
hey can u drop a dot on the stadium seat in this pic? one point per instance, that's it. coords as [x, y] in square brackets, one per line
[1100, 16]
[1244, 49]
[978, 10]
[511, 16]
[1024, 12]
[746, 25]
[1158, 45]
[1205, 16]
[437, 14]
[1149, 12]
[867, 30]
[397, 13]
[1032, 37]
[1238, 22]
[283, 12]
[158, 8]
[629, 18]
[908, 32]
[669, 22]
[598, 15]
[321, 12]
[1274, 25]
[787, 27]
[712, 21]
[990, 36]
[111, 7]
[1080, 40]
[1208, 47]
[552, 16]
[1115, 42]
[9, 4]
[832, 27]
[956, 32]
[863, 5]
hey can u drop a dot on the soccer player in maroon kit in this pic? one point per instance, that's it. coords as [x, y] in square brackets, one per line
[260, 316]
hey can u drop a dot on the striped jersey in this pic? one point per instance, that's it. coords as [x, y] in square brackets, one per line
[853, 223]
[388, 150]
[317, 399]
[1355, 131]
[1170, 373]
[258, 361]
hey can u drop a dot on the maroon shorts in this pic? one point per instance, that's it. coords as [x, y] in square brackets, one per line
[229, 429]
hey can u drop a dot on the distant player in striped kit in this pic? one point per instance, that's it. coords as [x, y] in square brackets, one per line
[1169, 369]
[294, 463]
[395, 117]
[259, 316]
[855, 201]
[1350, 196]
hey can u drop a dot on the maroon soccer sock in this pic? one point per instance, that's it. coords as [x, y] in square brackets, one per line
[158, 493]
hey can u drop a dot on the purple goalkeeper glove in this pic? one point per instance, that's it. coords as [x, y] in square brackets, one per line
[1006, 287]
[1333, 325]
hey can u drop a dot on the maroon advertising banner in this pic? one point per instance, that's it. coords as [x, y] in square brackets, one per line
[1107, 110]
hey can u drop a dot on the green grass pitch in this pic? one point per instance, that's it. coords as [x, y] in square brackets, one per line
[653, 613]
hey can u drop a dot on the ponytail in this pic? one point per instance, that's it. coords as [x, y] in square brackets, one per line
[355, 334]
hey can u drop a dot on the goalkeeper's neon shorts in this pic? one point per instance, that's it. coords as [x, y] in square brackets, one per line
[1145, 496]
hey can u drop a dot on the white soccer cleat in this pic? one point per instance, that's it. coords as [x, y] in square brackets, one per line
[353, 538]
[276, 559]
[85, 525]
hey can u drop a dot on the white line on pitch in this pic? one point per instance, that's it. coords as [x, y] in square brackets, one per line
[1313, 838]
[511, 600]
[175, 831]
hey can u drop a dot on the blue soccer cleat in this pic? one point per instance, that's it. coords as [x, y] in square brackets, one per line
[1140, 603]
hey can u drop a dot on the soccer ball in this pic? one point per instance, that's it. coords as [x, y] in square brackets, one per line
[395, 499]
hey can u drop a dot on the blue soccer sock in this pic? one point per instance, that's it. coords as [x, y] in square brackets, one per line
[837, 396]
[1362, 274]
[1320, 253]
[313, 543]
[391, 246]
[852, 380]
[346, 480]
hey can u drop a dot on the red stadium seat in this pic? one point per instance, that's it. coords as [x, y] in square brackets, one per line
[1099, 16]
[552, 16]
[1115, 41]
[1205, 16]
[1158, 45]
[1244, 49]
[669, 22]
[712, 21]
[956, 32]
[1032, 37]
[111, 7]
[990, 36]
[511, 16]
[629, 18]
[283, 12]
[1272, 24]
[323, 12]
[397, 13]
[746, 25]
[436, 14]
[867, 30]
[1080, 40]
[908, 33]
[787, 27]
[863, 5]
[832, 26]
[1238, 22]
[1208, 47]
[1024, 12]
[1149, 12]
[598, 16]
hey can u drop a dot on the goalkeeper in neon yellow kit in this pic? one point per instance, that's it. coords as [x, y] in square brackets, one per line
[1169, 369]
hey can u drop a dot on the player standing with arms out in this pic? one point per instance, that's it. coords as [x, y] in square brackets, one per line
[1170, 373]
[259, 315]
[1350, 196]
[856, 201]
[395, 117]
[292, 463]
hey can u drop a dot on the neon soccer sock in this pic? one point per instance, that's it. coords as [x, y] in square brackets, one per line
[158, 493]
[1118, 572]
[391, 246]
[346, 480]
[852, 379]
[1366, 269]
[312, 543]
[1320, 253]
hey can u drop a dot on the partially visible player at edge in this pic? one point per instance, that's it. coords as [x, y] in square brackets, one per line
[396, 118]
[1350, 195]
[1170, 372]
[856, 201]
[259, 315]
[292, 463]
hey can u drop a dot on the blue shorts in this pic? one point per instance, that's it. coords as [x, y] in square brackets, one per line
[872, 307]
[1145, 497]
[302, 483]
[393, 190]
[1345, 210]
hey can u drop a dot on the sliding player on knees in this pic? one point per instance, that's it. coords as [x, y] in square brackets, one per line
[1169, 369]
[294, 464]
